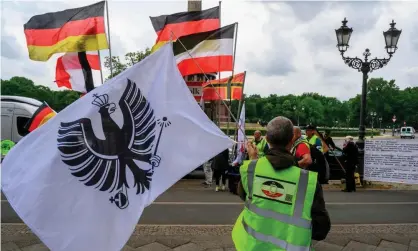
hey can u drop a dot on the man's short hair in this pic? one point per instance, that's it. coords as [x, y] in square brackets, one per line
[279, 131]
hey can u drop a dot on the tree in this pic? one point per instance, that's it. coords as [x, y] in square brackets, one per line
[384, 97]
[131, 58]
[314, 111]
[20, 86]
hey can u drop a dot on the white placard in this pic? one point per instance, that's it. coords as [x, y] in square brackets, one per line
[391, 161]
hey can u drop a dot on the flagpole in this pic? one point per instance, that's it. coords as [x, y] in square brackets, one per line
[85, 66]
[235, 47]
[108, 38]
[233, 70]
[323, 141]
[228, 92]
[206, 77]
[219, 72]
[240, 102]
[100, 62]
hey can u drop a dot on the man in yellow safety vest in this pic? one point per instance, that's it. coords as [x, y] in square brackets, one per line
[260, 143]
[284, 205]
[312, 138]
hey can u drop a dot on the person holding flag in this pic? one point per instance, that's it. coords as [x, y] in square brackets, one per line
[260, 143]
[240, 149]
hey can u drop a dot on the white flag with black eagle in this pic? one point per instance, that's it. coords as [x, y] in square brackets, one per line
[82, 180]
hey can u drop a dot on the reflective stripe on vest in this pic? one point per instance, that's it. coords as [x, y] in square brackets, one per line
[296, 219]
[298, 142]
[267, 238]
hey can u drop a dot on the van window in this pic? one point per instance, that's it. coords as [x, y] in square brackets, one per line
[21, 124]
[6, 127]
[408, 129]
[403, 129]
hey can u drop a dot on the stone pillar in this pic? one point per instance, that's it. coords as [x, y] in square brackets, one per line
[194, 5]
[210, 109]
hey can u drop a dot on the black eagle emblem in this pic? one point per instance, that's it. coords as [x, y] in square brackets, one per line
[103, 163]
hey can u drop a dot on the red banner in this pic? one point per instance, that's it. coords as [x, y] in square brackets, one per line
[215, 87]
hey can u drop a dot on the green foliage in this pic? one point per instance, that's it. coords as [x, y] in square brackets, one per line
[20, 86]
[383, 97]
[131, 58]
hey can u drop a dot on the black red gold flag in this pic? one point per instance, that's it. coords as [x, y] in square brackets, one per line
[72, 30]
[211, 90]
[183, 24]
[40, 117]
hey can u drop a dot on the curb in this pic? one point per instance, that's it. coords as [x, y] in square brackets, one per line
[19, 230]
[334, 185]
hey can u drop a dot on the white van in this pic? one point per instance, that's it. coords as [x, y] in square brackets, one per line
[407, 132]
[16, 111]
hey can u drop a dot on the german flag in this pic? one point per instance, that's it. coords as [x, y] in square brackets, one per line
[221, 86]
[40, 117]
[184, 23]
[72, 30]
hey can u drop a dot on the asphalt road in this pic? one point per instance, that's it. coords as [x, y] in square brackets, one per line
[200, 206]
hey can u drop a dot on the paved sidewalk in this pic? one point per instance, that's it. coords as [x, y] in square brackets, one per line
[17, 237]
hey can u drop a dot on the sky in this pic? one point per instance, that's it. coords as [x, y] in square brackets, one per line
[285, 47]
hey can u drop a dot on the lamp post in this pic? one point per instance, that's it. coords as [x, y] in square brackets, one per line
[297, 112]
[373, 115]
[365, 66]
[380, 120]
[303, 112]
[393, 129]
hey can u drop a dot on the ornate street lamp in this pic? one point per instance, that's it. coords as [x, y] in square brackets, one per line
[365, 66]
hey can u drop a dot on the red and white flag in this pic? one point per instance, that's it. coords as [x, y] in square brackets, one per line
[206, 52]
[69, 72]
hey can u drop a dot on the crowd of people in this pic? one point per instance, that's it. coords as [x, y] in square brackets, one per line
[284, 203]
[280, 177]
[310, 152]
